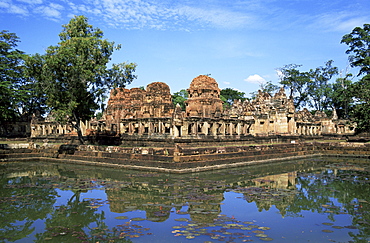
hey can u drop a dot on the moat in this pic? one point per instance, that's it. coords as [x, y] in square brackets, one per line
[318, 199]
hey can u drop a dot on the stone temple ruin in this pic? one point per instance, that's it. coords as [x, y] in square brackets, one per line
[150, 114]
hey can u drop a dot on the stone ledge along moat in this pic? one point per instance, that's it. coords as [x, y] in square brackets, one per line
[181, 158]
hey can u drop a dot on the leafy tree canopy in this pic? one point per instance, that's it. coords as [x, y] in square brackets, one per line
[180, 98]
[359, 49]
[361, 110]
[35, 102]
[296, 82]
[341, 96]
[267, 87]
[228, 95]
[11, 76]
[312, 88]
[319, 88]
[74, 73]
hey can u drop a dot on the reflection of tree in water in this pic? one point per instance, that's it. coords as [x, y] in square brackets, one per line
[70, 223]
[349, 187]
[22, 201]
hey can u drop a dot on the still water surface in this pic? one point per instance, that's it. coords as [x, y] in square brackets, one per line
[313, 200]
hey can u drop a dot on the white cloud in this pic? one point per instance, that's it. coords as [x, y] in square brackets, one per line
[52, 10]
[31, 1]
[18, 10]
[343, 21]
[138, 14]
[9, 7]
[255, 79]
[129, 14]
[215, 17]
[4, 5]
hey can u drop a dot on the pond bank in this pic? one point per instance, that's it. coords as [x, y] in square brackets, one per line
[181, 158]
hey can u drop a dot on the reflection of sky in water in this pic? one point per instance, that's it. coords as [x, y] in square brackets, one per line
[271, 201]
[63, 197]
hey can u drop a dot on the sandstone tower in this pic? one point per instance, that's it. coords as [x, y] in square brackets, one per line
[204, 98]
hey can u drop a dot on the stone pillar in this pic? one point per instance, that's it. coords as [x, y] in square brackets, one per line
[222, 128]
[214, 129]
[239, 129]
[176, 132]
[184, 129]
[194, 129]
[160, 128]
[231, 129]
[130, 128]
[205, 127]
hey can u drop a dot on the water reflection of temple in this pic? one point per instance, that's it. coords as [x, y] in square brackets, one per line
[204, 207]
[200, 195]
[282, 181]
[158, 202]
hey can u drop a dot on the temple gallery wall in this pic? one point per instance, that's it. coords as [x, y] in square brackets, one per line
[150, 114]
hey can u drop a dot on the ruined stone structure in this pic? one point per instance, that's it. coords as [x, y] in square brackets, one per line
[204, 98]
[270, 115]
[150, 113]
[155, 101]
[142, 111]
[50, 128]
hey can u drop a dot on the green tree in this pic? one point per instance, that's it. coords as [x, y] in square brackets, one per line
[359, 49]
[319, 89]
[296, 82]
[180, 98]
[35, 102]
[361, 110]
[11, 76]
[267, 87]
[228, 95]
[74, 73]
[341, 96]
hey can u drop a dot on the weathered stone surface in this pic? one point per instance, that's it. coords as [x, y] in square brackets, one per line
[155, 101]
[204, 98]
[190, 159]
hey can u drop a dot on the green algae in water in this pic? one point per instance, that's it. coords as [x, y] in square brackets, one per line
[327, 224]
[121, 217]
[182, 219]
[137, 219]
[327, 231]
[267, 239]
[338, 227]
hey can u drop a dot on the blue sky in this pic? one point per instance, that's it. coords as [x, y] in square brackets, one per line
[240, 43]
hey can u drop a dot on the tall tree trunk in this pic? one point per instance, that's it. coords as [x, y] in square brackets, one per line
[78, 129]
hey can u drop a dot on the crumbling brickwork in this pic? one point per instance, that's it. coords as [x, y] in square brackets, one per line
[204, 98]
